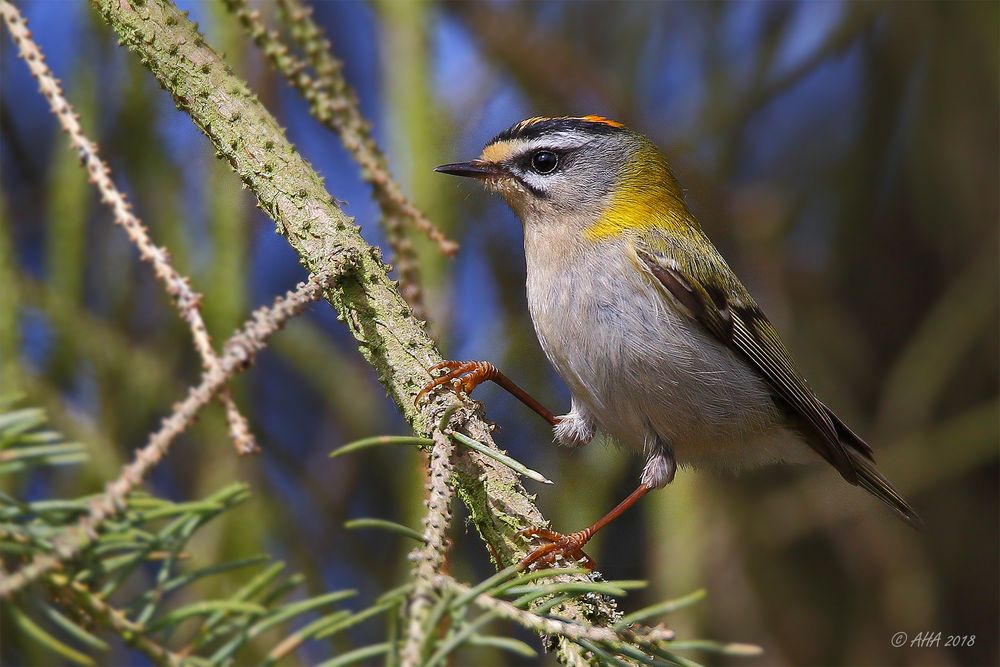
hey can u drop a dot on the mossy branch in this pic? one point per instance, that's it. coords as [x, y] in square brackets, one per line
[392, 340]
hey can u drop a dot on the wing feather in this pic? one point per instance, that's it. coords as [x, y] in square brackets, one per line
[737, 322]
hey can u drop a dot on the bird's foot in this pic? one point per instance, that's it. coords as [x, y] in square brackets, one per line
[559, 547]
[461, 376]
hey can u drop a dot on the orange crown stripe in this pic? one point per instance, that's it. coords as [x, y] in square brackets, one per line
[602, 120]
[590, 118]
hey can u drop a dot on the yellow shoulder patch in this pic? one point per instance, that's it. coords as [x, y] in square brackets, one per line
[647, 195]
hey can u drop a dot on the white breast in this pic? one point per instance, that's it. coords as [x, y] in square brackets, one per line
[643, 369]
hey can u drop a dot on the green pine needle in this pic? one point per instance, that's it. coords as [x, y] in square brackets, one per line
[383, 524]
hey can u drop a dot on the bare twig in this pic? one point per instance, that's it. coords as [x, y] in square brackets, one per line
[430, 556]
[335, 104]
[351, 125]
[238, 354]
[177, 286]
[730, 116]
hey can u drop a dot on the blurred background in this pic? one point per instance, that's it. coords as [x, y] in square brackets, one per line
[844, 157]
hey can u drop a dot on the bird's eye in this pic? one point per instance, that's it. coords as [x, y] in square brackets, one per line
[544, 162]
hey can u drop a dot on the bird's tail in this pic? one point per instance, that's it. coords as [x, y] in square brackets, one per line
[872, 481]
[868, 476]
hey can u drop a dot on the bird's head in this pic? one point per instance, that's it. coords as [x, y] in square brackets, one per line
[589, 174]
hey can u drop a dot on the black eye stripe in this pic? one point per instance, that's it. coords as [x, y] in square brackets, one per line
[523, 161]
[519, 166]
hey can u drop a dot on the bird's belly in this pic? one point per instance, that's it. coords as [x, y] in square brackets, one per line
[646, 371]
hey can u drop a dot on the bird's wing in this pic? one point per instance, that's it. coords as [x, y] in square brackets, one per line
[730, 314]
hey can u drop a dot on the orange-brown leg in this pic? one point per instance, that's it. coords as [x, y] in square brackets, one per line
[467, 375]
[570, 547]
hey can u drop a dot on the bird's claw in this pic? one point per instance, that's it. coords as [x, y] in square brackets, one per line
[559, 547]
[462, 376]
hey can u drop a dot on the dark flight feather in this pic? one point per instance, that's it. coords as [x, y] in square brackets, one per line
[737, 322]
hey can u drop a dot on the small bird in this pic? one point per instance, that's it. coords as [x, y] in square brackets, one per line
[663, 349]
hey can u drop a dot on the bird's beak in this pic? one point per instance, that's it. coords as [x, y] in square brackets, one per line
[480, 169]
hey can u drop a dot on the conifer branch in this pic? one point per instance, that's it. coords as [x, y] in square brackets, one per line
[188, 301]
[239, 353]
[98, 608]
[430, 556]
[392, 340]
